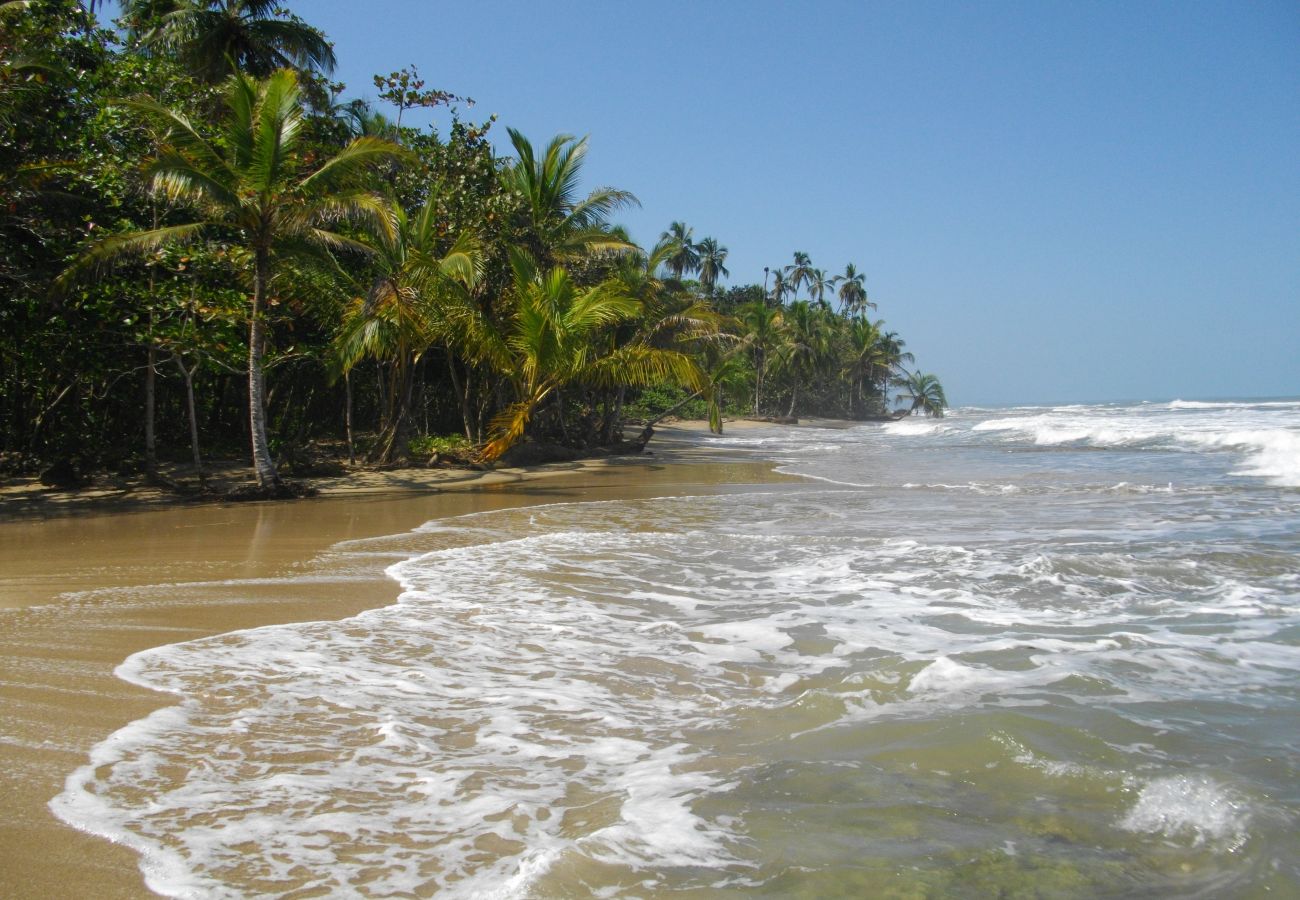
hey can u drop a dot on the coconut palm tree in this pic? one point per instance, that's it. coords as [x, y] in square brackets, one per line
[892, 348]
[672, 318]
[779, 288]
[925, 392]
[818, 285]
[215, 38]
[712, 256]
[559, 224]
[798, 273]
[853, 291]
[553, 340]
[805, 343]
[398, 315]
[869, 362]
[248, 188]
[685, 257]
[762, 339]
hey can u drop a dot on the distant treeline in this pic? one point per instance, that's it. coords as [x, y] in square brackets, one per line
[205, 248]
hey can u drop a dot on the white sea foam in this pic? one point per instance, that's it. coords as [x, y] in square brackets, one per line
[1273, 454]
[1194, 807]
[914, 427]
[600, 686]
[1235, 404]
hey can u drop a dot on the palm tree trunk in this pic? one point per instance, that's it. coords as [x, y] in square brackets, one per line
[150, 405]
[462, 395]
[263, 464]
[192, 414]
[347, 417]
[794, 394]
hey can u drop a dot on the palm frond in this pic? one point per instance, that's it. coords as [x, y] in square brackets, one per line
[104, 252]
[352, 161]
[275, 129]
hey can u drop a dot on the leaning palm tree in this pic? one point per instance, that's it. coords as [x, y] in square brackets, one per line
[925, 392]
[853, 291]
[558, 222]
[553, 340]
[685, 257]
[248, 188]
[712, 257]
[671, 318]
[215, 38]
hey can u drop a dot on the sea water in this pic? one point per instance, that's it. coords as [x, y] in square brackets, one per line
[1046, 651]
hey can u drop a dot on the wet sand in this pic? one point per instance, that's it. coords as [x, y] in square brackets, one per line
[73, 604]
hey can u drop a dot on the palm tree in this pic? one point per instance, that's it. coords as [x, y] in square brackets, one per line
[671, 318]
[806, 342]
[247, 188]
[712, 256]
[869, 360]
[892, 348]
[399, 317]
[818, 285]
[685, 257]
[779, 288]
[799, 273]
[553, 340]
[853, 291]
[762, 338]
[558, 222]
[215, 38]
[925, 392]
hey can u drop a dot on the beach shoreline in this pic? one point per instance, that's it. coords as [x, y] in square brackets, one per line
[73, 594]
[26, 498]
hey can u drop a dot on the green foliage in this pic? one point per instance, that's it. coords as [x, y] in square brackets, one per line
[211, 222]
[653, 402]
[429, 444]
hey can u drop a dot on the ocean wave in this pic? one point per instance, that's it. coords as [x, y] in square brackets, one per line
[1273, 454]
[1235, 404]
[915, 428]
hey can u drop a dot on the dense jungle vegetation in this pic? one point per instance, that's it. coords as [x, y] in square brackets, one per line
[206, 248]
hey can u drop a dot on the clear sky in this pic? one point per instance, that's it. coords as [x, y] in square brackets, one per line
[1061, 201]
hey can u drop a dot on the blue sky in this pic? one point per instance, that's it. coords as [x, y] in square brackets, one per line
[1051, 201]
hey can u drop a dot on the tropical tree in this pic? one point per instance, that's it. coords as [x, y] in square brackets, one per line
[869, 360]
[215, 38]
[799, 272]
[711, 265]
[925, 393]
[399, 316]
[805, 344]
[818, 285]
[247, 187]
[892, 349]
[671, 318]
[559, 224]
[553, 340]
[853, 291]
[779, 288]
[685, 256]
[762, 339]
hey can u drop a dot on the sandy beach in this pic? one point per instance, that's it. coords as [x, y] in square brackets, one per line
[71, 595]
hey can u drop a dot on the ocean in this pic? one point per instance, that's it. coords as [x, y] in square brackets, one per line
[1033, 651]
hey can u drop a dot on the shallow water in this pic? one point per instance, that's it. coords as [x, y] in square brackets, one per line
[1048, 651]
